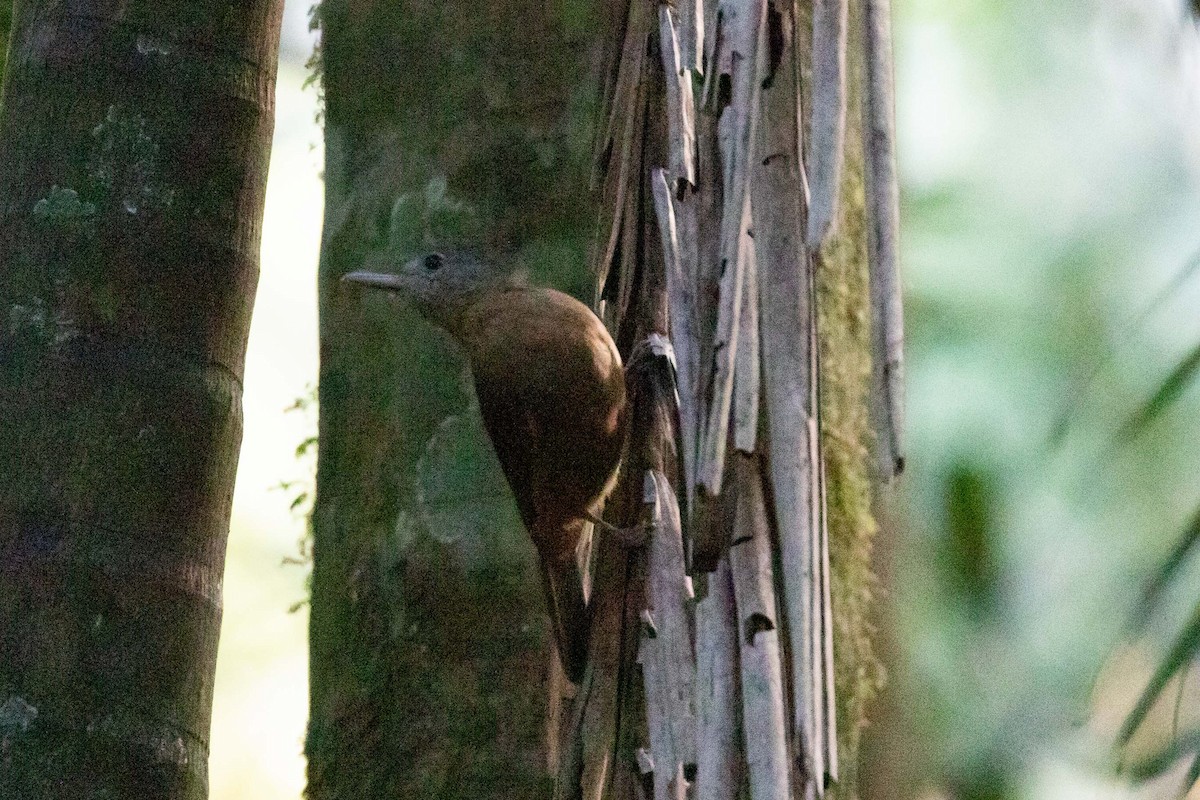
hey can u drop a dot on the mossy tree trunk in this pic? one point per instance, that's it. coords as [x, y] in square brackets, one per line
[707, 237]
[447, 125]
[134, 139]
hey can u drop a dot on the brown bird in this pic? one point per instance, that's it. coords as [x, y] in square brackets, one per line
[552, 393]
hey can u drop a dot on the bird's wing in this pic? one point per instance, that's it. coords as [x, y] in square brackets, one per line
[514, 434]
[516, 438]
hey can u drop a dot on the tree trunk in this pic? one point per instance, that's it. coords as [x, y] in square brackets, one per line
[770, 316]
[419, 685]
[447, 125]
[134, 140]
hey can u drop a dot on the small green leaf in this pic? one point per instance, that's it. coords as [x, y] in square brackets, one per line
[299, 604]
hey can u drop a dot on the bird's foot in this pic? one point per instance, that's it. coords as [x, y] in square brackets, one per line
[631, 537]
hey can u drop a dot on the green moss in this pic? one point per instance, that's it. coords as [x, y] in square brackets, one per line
[124, 165]
[844, 323]
[61, 208]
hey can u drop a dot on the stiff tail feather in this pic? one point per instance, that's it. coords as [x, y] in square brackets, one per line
[567, 606]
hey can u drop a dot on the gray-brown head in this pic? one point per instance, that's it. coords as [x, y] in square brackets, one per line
[439, 285]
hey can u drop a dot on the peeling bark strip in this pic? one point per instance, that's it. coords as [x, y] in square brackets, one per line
[763, 715]
[691, 36]
[887, 310]
[681, 107]
[825, 616]
[748, 360]
[741, 25]
[684, 326]
[668, 663]
[618, 158]
[789, 342]
[134, 139]
[828, 134]
[718, 693]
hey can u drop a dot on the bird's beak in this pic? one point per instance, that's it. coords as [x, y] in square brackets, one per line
[377, 280]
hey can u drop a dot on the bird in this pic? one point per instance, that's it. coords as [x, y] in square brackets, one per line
[551, 391]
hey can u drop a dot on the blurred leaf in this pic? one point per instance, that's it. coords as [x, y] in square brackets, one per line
[970, 502]
[1155, 765]
[1058, 429]
[1170, 390]
[1184, 649]
[1166, 572]
[305, 401]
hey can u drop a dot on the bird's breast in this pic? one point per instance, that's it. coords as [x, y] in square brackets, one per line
[550, 369]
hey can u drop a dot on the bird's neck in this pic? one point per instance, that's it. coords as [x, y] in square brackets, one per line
[448, 312]
[466, 316]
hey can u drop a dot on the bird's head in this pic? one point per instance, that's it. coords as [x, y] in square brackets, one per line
[439, 285]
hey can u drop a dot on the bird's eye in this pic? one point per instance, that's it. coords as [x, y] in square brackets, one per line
[433, 261]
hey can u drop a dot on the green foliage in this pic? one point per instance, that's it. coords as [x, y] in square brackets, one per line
[1161, 579]
[314, 63]
[1167, 394]
[1028, 295]
[1178, 658]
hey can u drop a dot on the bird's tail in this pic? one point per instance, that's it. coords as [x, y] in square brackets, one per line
[562, 580]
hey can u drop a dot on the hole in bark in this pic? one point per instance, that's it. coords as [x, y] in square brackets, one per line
[724, 89]
[756, 624]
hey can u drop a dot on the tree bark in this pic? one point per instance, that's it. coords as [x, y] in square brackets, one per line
[448, 125]
[731, 212]
[134, 140]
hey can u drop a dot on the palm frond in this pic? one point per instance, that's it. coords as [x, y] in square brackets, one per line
[1166, 572]
[1157, 764]
[1086, 387]
[1168, 392]
[1182, 652]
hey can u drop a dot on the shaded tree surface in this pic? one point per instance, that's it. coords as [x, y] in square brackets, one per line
[135, 140]
[6, 14]
[447, 125]
[455, 125]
